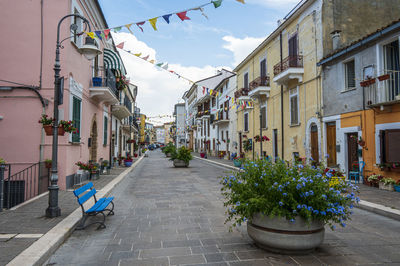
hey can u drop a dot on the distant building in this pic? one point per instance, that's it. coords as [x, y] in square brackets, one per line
[160, 134]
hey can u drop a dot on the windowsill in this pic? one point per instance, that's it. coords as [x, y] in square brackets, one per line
[295, 125]
[75, 143]
[347, 90]
[264, 128]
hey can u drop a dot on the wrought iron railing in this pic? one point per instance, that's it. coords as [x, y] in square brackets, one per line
[105, 78]
[128, 104]
[23, 185]
[242, 92]
[295, 61]
[384, 89]
[260, 82]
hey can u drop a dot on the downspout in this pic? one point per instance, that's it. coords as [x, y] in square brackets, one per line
[42, 138]
[282, 120]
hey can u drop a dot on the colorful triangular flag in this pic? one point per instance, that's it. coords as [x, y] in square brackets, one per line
[90, 34]
[165, 66]
[139, 54]
[106, 32]
[153, 22]
[121, 45]
[217, 3]
[128, 26]
[159, 64]
[166, 17]
[241, 1]
[117, 29]
[140, 24]
[202, 11]
[151, 61]
[146, 57]
[98, 33]
[182, 15]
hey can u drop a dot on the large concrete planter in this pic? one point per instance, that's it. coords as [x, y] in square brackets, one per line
[388, 187]
[282, 236]
[180, 163]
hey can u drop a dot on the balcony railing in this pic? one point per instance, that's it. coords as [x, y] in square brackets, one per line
[295, 61]
[385, 89]
[242, 92]
[106, 79]
[260, 82]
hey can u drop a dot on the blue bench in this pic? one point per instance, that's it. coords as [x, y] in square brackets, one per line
[100, 206]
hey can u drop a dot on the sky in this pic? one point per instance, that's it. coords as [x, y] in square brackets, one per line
[194, 48]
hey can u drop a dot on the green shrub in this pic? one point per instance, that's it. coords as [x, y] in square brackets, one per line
[182, 154]
[170, 148]
[284, 190]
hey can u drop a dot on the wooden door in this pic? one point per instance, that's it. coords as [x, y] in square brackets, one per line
[331, 143]
[352, 156]
[314, 143]
[240, 145]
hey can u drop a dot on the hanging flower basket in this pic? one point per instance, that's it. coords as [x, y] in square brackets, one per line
[384, 77]
[49, 130]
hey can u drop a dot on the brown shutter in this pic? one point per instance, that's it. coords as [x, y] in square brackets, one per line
[392, 145]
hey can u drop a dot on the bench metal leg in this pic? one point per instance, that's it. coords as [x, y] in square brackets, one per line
[102, 224]
[110, 212]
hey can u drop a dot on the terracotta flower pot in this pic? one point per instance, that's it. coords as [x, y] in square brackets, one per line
[384, 77]
[49, 130]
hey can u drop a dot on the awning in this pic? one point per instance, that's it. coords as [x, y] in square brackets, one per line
[112, 60]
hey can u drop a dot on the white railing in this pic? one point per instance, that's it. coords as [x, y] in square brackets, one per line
[385, 90]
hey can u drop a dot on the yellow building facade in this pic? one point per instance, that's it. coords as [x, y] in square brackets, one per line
[142, 124]
[281, 77]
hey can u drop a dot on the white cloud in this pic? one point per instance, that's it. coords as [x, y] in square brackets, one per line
[241, 47]
[158, 90]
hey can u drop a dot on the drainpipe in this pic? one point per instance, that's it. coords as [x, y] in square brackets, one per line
[42, 139]
[282, 120]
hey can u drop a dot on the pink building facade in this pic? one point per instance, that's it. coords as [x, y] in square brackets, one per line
[27, 86]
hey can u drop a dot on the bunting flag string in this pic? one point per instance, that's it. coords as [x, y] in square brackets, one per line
[153, 21]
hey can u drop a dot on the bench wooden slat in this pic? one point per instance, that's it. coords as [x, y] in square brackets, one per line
[100, 205]
[87, 196]
[82, 189]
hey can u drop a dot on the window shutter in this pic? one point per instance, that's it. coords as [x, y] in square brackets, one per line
[105, 130]
[392, 145]
[263, 68]
[350, 74]
[76, 117]
[246, 80]
[263, 117]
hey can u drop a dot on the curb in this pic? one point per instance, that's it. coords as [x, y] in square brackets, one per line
[364, 205]
[44, 247]
[217, 163]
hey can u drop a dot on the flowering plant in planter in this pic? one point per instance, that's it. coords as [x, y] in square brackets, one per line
[262, 138]
[289, 191]
[122, 82]
[46, 120]
[2, 161]
[47, 163]
[374, 180]
[84, 166]
[68, 126]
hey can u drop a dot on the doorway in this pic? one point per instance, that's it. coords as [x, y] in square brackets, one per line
[314, 143]
[93, 146]
[331, 143]
[352, 148]
[240, 145]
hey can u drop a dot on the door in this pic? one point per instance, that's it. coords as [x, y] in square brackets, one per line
[275, 140]
[240, 144]
[314, 143]
[331, 143]
[352, 156]
[93, 147]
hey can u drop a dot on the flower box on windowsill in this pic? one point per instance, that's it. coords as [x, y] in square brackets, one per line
[388, 187]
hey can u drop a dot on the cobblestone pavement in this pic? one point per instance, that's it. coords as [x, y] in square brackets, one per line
[175, 216]
[21, 227]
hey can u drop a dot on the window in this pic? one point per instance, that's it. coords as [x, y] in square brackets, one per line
[264, 116]
[226, 109]
[246, 80]
[263, 68]
[246, 122]
[105, 128]
[213, 102]
[294, 106]
[222, 135]
[222, 89]
[390, 145]
[350, 75]
[77, 39]
[76, 117]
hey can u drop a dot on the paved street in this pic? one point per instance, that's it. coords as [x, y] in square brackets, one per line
[172, 216]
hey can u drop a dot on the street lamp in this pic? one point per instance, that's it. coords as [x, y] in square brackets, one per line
[90, 51]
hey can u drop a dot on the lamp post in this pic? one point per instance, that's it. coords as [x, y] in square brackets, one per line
[90, 51]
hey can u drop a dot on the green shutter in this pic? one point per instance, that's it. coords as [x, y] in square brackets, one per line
[76, 117]
[105, 130]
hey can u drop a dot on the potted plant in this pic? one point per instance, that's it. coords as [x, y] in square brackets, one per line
[169, 149]
[237, 161]
[135, 155]
[247, 145]
[397, 186]
[384, 77]
[286, 205]
[105, 167]
[374, 180]
[202, 154]
[182, 157]
[47, 163]
[94, 171]
[128, 161]
[2, 161]
[387, 183]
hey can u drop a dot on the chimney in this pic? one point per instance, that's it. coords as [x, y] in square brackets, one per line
[335, 39]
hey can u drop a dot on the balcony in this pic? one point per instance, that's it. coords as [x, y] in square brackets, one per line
[242, 94]
[122, 110]
[289, 69]
[222, 118]
[260, 87]
[104, 88]
[382, 91]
